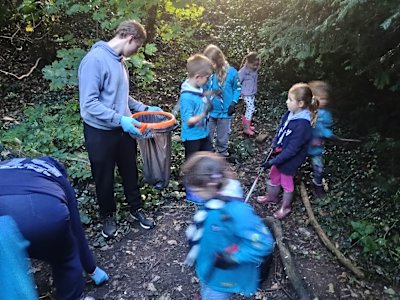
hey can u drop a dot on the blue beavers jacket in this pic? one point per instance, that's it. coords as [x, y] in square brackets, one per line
[321, 130]
[237, 230]
[230, 93]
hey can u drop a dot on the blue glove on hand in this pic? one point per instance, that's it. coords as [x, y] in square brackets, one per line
[99, 276]
[128, 125]
[153, 108]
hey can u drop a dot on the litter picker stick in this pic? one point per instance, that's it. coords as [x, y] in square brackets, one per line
[257, 177]
[349, 140]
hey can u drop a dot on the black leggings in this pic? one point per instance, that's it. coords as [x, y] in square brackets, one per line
[197, 145]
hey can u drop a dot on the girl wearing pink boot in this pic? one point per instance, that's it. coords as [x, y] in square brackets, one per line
[248, 76]
[290, 146]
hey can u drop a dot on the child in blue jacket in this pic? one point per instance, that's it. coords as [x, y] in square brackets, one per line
[226, 88]
[290, 146]
[194, 106]
[228, 240]
[322, 130]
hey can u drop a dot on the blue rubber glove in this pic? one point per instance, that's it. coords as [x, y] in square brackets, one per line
[128, 125]
[99, 276]
[153, 108]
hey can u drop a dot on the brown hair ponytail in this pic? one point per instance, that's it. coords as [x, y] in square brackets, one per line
[313, 107]
[251, 57]
[205, 167]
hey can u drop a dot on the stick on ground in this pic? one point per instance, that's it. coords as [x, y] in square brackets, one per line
[287, 260]
[325, 240]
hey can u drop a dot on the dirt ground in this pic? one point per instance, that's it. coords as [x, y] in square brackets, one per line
[148, 264]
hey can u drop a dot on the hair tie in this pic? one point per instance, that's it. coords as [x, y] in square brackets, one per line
[216, 176]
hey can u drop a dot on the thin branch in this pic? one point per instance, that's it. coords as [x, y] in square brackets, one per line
[325, 240]
[25, 75]
[10, 37]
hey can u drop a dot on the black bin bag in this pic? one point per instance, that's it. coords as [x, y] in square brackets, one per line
[155, 147]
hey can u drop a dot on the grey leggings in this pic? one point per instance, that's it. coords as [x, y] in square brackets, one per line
[223, 129]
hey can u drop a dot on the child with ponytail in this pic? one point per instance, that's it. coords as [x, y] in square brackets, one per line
[248, 76]
[225, 87]
[289, 147]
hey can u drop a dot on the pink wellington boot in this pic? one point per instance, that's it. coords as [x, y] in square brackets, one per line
[246, 127]
[271, 196]
[286, 207]
[244, 123]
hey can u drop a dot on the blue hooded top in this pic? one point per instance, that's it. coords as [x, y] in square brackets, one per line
[192, 104]
[293, 136]
[230, 93]
[235, 228]
[16, 281]
[104, 88]
[321, 130]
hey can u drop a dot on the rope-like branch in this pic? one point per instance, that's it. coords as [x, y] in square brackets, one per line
[24, 75]
[325, 240]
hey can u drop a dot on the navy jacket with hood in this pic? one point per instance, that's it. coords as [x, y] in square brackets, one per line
[293, 136]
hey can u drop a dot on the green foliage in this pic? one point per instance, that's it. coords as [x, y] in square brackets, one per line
[63, 73]
[30, 13]
[177, 22]
[54, 130]
[310, 35]
[364, 233]
[362, 208]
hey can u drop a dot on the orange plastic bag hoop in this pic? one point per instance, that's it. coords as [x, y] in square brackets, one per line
[160, 125]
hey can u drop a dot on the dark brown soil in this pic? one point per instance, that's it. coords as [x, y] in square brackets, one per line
[148, 264]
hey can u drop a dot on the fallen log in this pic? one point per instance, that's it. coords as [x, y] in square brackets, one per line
[325, 240]
[286, 258]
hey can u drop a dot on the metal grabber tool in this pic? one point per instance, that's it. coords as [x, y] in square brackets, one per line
[260, 170]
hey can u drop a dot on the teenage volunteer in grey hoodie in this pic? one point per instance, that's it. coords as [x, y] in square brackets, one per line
[105, 107]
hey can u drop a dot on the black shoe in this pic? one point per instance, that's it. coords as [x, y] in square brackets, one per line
[110, 229]
[319, 191]
[145, 222]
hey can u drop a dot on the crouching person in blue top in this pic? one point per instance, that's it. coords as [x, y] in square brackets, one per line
[38, 196]
[228, 240]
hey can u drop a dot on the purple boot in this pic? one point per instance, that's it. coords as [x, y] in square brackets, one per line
[272, 194]
[286, 207]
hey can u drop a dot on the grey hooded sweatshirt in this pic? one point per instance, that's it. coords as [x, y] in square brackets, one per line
[104, 88]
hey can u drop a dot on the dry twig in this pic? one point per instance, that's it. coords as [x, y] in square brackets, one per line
[24, 75]
[325, 240]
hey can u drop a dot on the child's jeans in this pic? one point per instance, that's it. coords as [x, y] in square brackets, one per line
[249, 100]
[318, 169]
[209, 294]
[277, 178]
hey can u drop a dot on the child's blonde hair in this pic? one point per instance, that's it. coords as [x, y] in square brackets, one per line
[203, 168]
[302, 92]
[216, 55]
[198, 64]
[251, 57]
[320, 89]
